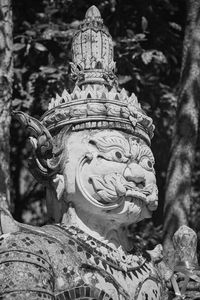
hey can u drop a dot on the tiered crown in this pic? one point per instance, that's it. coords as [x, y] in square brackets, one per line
[95, 101]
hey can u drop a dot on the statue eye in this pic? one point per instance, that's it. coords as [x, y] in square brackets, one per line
[149, 163]
[146, 163]
[118, 154]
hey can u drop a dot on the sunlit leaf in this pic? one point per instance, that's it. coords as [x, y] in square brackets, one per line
[124, 79]
[75, 24]
[175, 26]
[140, 37]
[16, 103]
[30, 33]
[144, 24]
[147, 57]
[48, 70]
[40, 47]
[18, 46]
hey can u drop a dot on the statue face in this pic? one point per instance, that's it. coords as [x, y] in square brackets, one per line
[110, 173]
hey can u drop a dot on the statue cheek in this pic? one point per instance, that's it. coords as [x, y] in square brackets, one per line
[103, 167]
[150, 178]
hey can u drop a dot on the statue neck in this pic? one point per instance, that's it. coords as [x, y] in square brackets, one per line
[105, 231]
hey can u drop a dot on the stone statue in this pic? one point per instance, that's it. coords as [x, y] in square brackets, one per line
[91, 150]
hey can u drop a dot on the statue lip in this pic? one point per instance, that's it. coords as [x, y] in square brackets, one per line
[134, 194]
[131, 186]
[114, 187]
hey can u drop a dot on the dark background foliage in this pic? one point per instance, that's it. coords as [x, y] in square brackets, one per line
[148, 37]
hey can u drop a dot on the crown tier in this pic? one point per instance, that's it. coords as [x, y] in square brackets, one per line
[97, 106]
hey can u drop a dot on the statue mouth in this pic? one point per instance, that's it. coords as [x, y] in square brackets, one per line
[114, 188]
[131, 196]
[138, 193]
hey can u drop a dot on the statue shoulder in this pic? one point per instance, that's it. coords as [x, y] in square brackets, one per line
[10, 229]
[34, 258]
[26, 269]
[20, 240]
[7, 222]
[47, 241]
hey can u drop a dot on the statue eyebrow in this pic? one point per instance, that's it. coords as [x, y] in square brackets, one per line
[146, 151]
[105, 144]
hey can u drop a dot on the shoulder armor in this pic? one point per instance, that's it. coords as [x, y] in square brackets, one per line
[26, 269]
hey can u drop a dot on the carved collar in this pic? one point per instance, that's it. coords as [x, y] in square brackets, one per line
[115, 258]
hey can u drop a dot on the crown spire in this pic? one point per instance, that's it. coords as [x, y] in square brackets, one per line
[92, 13]
[92, 51]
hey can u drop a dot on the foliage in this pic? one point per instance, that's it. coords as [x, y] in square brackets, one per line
[147, 38]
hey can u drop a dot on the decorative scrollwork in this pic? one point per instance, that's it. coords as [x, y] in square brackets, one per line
[41, 143]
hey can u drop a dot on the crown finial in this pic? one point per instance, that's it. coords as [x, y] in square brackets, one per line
[92, 50]
[93, 13]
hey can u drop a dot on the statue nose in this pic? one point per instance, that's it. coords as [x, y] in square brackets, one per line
[135, 173]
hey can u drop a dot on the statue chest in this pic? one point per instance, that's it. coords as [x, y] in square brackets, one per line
[87, 269]
[101, 281]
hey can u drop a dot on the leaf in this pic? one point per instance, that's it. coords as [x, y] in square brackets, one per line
[40, 47]
[18, 46]
[30, 33]
[158, 56]
[48, 70]
[175, 26]
[144, 24]
[16, 103]
[52, 11]
[124, 79]
[48, 34]
[140, 37]
[26, 24]
[147, 57]
[43, 26]
[130, 33]
[41, 15]
[75, 24]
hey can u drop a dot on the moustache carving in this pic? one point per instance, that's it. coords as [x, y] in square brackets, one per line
[113, 187]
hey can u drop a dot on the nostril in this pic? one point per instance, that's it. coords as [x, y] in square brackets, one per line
[135, 175]
[141, 185]
[139, 181]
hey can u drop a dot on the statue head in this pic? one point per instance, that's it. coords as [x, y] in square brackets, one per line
[109, 173]
[101, 160]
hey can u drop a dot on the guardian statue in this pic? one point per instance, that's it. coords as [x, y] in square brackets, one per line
[91, 150]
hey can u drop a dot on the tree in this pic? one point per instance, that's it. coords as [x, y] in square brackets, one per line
[5, 99]
[179, 175]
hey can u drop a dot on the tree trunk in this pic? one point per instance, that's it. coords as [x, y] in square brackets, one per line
[5, 99]
[178, 184]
